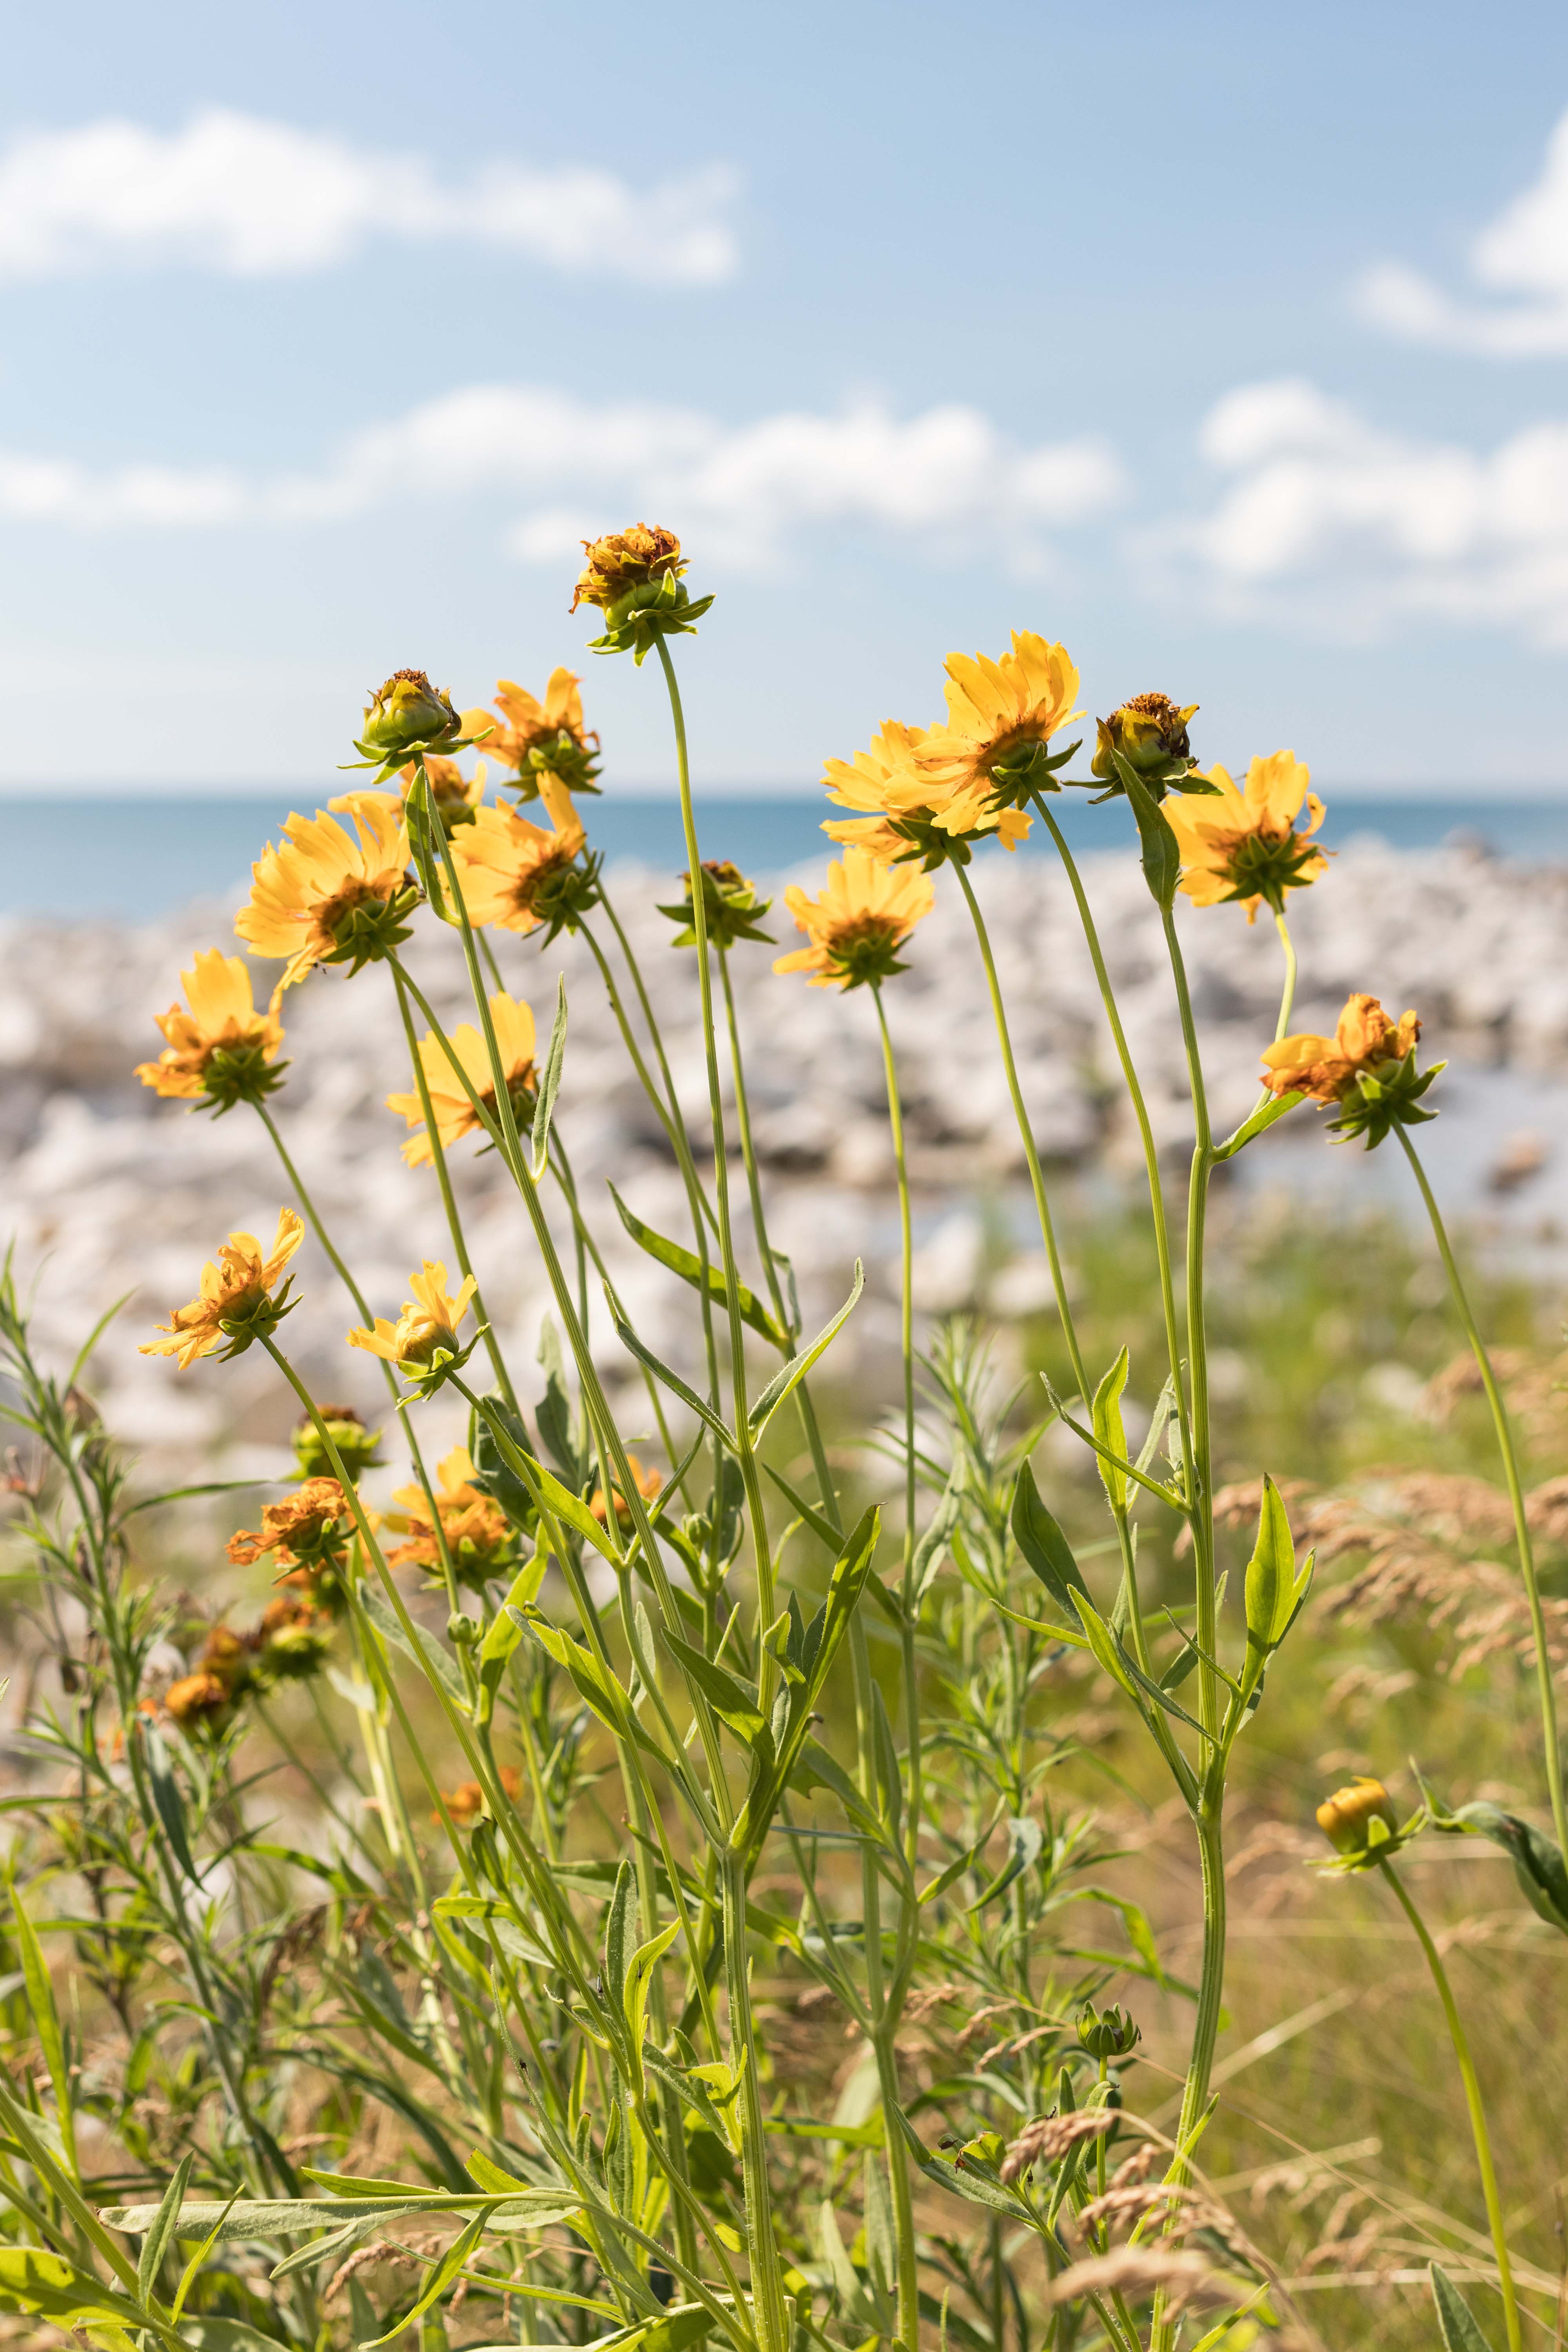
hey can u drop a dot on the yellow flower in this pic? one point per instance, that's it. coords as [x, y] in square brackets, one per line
[514, 874]
[649, 1484]
[424, 1339]
[236, 1302]
[1001, 714]
[478, 1534]
[537, 736]
[1242, 847]
[455, 1113]
[902, 811]
[1148, 730]
[1346, 1818]
[624, 560]
[218, 1050]
[467, 1803]
[1326, 1069]
[326, 894]
[866, 913]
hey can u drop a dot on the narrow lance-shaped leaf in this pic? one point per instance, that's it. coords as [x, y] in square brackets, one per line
[688, 1266]
[1456, 2321]
[1045, 1548]
[1273, 1590]
[46, 2019]
[549, 1087]
[160, 2237]
[1108, 1429]
[785, 1381]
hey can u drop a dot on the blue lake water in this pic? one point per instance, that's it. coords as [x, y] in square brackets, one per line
[73, 854]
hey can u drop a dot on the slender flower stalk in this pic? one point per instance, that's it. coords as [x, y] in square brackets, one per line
[1545, 1685]
[1027, 1136]
[1473, 2101]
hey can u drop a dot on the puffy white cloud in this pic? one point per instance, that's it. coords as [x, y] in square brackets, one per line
[565, 468]
[1523, 254]
[1329, 519]
[250, 198]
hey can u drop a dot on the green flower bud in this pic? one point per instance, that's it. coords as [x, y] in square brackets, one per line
[1107, 2033]
[356, 1444]
[731, 905]
[406, 718]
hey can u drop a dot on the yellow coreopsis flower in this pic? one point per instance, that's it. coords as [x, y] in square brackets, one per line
[309, 1525]
[649, 1484]
[478, 1534]
[515, 874]
[1242, 847]
[534, 736]
[903, 813]
[329, 896]
[1001, 716]
[1326, 1069]
[454, 1110]
[422, 1342]
[218, 1051]
[855, 929]
[236, 1303]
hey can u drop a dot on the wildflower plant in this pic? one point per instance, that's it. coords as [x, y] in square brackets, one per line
[702, 1720]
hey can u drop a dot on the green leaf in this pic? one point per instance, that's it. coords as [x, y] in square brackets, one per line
[637, 1985]
[156, 2243]
[1456, 2321]
[166, 1798]
[729, 1699]
[45, 2020]
[688, 1266]
[437, 1665]
[1108, 1429]
[1045, 1548]
[1275, 1592]
[1538, 1865]
[786, 1380]
[823, 1529]
[47, 2286]
[547, 1489]
[934, 1544]
[661, 1372]
[1263, 1117]
[1024, 1839]
[1162, 857]
[549, 1087]
[442, 2274]
[974, 2187]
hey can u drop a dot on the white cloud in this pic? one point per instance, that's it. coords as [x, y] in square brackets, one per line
[249, 198]
[1523, 256]
[948, 479]
[1330, 520]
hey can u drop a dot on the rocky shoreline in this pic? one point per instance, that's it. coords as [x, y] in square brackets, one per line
[107, 1189]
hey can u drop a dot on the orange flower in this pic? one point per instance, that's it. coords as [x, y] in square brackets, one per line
[649, 1484]
[1001, 714]
[901, 807]
[1325, 1069]
[236, 1301]
[222, 1044]
[467, 1803]
[450, 1099]
[507, 867]
[424, 1335]
[312, 1521]
[866, 913]
[478, 1533]
[326, 894]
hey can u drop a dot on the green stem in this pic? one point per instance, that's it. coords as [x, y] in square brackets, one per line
[1545, 1687]
[1036, 1176]
[1473, 2100]
[907, 1343]
[1288, 997]
[1140, 1113]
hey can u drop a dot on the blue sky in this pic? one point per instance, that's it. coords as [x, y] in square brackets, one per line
[1227, 343]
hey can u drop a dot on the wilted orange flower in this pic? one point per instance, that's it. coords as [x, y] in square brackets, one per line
[506, 864]
[314, 1519]
[236, 1299]
[454, 1110]
[311, 896]
[427, 1324]
[649, 1484]
[1242, 846]
[478, 1533]
[1325, 1069]
[222, 1019]
[862, 918]
[625, 559]
[998, 712]
[198, 1699]
[553, 727]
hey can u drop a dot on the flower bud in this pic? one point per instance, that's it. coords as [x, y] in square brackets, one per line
[355, 1443]
[407, 716]
[1359, 1818]
[1150, 732]
[730, 904]
[1107, 2033]
[462, 1630]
